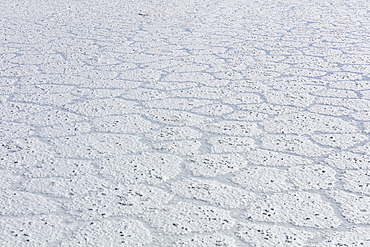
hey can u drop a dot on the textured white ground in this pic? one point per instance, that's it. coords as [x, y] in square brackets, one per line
[184, 123]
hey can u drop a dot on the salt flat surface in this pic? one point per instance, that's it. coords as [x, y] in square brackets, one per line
[184, 123]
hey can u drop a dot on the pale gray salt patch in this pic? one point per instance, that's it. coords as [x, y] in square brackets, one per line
[232, 144]
[176, 103]
[18, 203]
[335, 111]
[213, 192]
[257, 74]
[101, 107]
[144, 94]
[44, 89]
[352, 104]
[342, 76]
[299, 145]
[356, 236]
[212, 165]
[247, 86]
[215, 239]
[6, 91]
[129, 124]
[166, 85]
[96, 93]
[269, 109]
[4, 98]
[297, 208]
[8, 82]
[52, 117]
[264, 63]
[243, 98]
[107, 59]
[365, 148]
[215, 83]
[342, 141]
[348, 160]
[357, 181]
[263, 179]
[183, 218]
[336, 93]
[140, 75]
[14, 111]
[15, 71]
[107, 199]
[97, 145]
[262, 235]
[353, 207]
[246, 116]
[9, 180]
[188, 76]
[304, 72]
[119, 85]
[112, 232]
[68, 129]
[11, 130]
[304, 59]
[295, 83]
[190, 67]
[307, 123]
[25, 231]
[62, 187]
[361, 115]
[312, 177]
[271, 158]
[290, 98]
[60, 167]
[365, 94]
[24, 153]
[350, 85]
[151, 168]
[320, 51]
[233, 128]
[357, 68]
[175, 118]
[173, 133]
[55, 99]
[123, 66]
[182, 147]
[213, 109]
[203, 92]
[366, 126]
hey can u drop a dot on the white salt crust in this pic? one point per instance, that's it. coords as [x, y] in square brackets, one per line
[184, 123]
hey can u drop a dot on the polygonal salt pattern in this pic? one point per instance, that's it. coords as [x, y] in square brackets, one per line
[98, 145]
[225, 144]
[201, 240]
[212, 165]
[263, 179]
[215, 193]
[271, 235]
[353, 207]
[357, 181]
[294, 144]
[149, 168]
[184, 123]
[313, 177]
[110, 232]
[183, 218]
[307, 123]
[25, 230]
[297, 208]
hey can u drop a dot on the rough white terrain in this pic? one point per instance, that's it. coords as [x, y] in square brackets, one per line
[184, 123]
